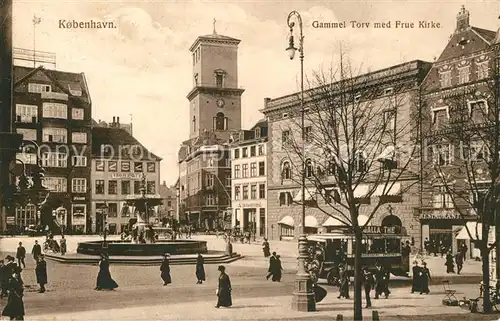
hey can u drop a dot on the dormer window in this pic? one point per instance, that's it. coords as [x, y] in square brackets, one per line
[257, 132]
[219, 78]
[39, 88]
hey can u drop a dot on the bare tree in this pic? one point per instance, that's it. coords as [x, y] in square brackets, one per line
[465, 158]
[360, 141]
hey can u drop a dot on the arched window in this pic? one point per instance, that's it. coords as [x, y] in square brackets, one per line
[194, 123]
[220, 121]
[309, 168]
[286, 171]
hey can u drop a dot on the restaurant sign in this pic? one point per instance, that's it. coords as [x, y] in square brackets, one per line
[440, 215]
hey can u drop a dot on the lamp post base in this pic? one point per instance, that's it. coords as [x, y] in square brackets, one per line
[303, 295]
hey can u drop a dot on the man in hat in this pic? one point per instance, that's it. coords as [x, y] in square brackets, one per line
[272, 266]
[165, 269]
[381, 281]
[425, 278]
[36, 251]
[368, 284]
[41, 273]
[223, 292]
[21, 255]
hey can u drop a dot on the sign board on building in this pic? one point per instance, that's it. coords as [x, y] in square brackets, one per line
[440, 215]
[126, 175]
[250, 205]
[11, 220]
[382, 229]
[78, 198]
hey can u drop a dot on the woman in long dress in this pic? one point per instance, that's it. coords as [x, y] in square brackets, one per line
[224, 289]
[200, 269]
[15, 305]
[104, 280]
[165, 269]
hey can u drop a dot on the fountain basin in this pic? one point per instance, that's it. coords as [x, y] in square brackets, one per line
[123, 248]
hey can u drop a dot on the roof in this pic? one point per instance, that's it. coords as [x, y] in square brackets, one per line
[489, 35]
[118, 139]
[214, 37]
[167, 191]
[474, 39]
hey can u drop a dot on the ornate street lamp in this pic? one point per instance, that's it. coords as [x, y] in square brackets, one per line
[303, 295]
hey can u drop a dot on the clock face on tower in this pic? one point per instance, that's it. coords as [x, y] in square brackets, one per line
[220, 103]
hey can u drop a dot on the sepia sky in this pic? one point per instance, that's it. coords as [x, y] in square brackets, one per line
[144, 66]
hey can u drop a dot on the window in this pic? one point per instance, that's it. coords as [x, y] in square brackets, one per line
[463, 75]
[360, 162]
[252, 151]
[79, 161]
[245, 192]
[112, 210]
[79, 138]
[78, 209]
[125, 166]
[331, 168]
[237, 173]
[125, 186]
[262, 191]
[26, 216]
[220, 121]
[286, 230]
[286, 198]
[478, 110]
[210, 180]
[28, 134]
[285, 138]
[79, 185]
[227, 180]
[440, 116]
[99, 186]
[219, 80]
[253, 192]
[244, 152]
[39, 88]
[113, 187]
[253, 169]
[245, 170]
[257, 132]
[389, 120]
[112, 166]
[236, 153]
[55, 110]
[476, 151]
[75, 89]
[54, 159]
[210, 200]
[309, 168]
[56, 184]
[236, 192]
[308, 134]
[442, 154]
[26, 113]
[482, 70]
[137, 187]
[260, 150]
[262, 169]
[151, 167]
[194, 124]
[27, 158]
[445, 78]
[55, 135]
[99, 166]
[150, 187]
[441, 198]
[138, 167]
[286, 171]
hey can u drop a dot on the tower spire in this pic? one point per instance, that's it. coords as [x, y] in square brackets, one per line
[215, 32]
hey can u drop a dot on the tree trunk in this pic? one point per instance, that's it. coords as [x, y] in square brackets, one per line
[358, 300]
[486, 266]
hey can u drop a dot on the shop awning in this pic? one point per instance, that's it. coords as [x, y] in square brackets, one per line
[310, 192]
[361, 191]
[334, 221]
[389, 189]
[287, 220]
[311, 221]
[476, 231]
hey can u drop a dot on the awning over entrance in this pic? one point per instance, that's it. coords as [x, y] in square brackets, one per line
[287, 220]
[311, 221]
[333, 221]
[361, 191]
[476, 231]
[389, 189]
[310, 192]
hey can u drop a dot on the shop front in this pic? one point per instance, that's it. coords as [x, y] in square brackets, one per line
[250, 217]
[78, 219]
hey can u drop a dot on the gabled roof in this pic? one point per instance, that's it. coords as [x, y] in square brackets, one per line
[488, 35]
[474, 39]
[116, 138]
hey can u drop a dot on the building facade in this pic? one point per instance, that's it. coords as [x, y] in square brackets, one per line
[284, 195]
[461, 72]
[169, 197]
[249, 180]
[214, 113]
[53, 109]
[119, 162]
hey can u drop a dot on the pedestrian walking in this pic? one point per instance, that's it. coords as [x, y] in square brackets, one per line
[416, 277]
[427, 246]
[278, 268]
[223, 292]
[21, 255]
[425, 278]
[63, 245]
[368, 284]
[344, 283]
[36, 251]
[41, 273]
[200, 269]
[165, 270]
[104, 280]
[459, 260]
[381, 281]
[463, 250]
[272, 266]
[265, 248]
[14, 309]
[450, 266]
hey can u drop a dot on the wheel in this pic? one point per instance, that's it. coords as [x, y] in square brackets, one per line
[332, 278]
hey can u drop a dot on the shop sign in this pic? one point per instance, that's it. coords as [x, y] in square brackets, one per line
[380, 229]
[11, 220]
[440, 215]
[126, 175]
[250, 205]
[78, 198]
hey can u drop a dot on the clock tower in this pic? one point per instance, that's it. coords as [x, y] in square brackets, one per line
[215, 100]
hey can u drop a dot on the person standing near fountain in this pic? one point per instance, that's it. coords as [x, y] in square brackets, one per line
[200, 269]
[165, 270]
[224, 298]
[104, 280]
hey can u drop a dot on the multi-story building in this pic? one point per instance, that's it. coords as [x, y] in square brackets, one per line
[119, 162]
[53, 109]
[214, 113]
[460, 74]
[283, 191]
[169, 197]
[249, 180]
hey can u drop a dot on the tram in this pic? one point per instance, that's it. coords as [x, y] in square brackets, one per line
[380, 244]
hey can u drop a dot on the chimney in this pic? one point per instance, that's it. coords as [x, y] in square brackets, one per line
[117, 120]
[462, 19]
[266, 101]
[114, 122]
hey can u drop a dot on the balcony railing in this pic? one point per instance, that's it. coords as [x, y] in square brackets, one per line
[425, 213]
